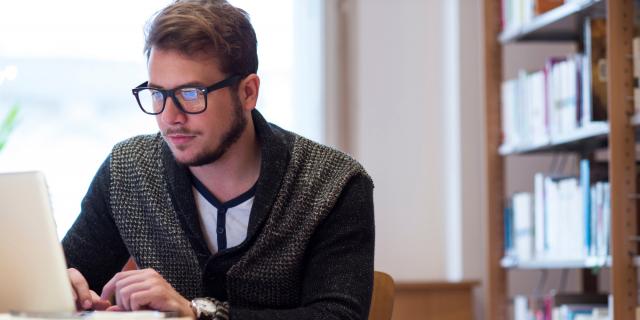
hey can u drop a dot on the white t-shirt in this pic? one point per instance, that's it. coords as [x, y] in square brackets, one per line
[234, 217]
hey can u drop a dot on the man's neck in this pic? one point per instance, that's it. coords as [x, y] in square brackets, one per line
[236, 171]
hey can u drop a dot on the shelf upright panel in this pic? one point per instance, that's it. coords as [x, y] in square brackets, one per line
[496, 278]
[622, 167]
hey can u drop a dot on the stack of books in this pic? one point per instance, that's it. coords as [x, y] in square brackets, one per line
[566, 94]
[565, 219]
[554, 306]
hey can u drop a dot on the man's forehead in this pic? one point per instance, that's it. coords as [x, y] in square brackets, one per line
[200, 57]
[170, 68]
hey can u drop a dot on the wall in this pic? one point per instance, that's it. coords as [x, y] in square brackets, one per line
[398, 132]
[395, 74]
[404, 97]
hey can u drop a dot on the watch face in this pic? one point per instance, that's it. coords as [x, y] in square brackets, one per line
[204, 305]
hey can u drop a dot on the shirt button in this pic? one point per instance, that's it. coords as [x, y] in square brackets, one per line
[220, 230]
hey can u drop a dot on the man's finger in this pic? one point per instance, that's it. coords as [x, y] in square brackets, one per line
[141, 300]
[81, 288]
[110, 288]
[99, 304]
[126, 292]
[134, 282]
[114, 308]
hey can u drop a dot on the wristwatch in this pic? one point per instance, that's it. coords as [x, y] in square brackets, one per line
[210, 309]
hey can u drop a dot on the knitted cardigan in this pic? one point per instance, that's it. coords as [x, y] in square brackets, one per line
[309, 247]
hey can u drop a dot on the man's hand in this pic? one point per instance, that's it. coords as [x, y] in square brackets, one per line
[145, 289]
[84, 297]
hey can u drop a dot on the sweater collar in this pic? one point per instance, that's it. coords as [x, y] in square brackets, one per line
[275, 157]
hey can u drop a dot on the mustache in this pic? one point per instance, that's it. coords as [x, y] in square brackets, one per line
[179, 130]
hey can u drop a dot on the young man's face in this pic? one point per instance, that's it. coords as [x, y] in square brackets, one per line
[196, 139]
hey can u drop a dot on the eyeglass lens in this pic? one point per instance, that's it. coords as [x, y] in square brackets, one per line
[191, 99]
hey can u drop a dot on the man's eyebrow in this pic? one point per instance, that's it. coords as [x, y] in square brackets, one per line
[184, 85]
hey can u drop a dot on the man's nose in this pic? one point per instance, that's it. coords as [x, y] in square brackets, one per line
[172, 113]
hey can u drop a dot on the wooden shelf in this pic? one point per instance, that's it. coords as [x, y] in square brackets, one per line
[592, 136]
[586, 263]
[562, 23]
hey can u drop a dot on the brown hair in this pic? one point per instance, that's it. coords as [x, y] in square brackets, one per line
[206, 26]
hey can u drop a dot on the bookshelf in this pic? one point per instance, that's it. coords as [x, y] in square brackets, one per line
[564, 23]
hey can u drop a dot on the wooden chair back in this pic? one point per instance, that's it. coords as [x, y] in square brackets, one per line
[382, 297]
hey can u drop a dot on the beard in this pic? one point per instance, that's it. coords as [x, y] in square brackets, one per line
[230, 137]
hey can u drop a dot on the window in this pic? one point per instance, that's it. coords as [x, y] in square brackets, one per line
[72, 67]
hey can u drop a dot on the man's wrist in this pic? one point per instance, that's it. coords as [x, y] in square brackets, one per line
[187, 310]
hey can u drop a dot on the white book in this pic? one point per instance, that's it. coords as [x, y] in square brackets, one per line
[565, 219]
[507, 112]
[523, 226]
[600, 314]
[510, 115]
[569, 110]
[572, 83]
[579, 223]
[517, 13]
[528, 11]
[539, 228]
[520, 308]
[538, 109]
[522, 110]
[554, 228]
[556, 100]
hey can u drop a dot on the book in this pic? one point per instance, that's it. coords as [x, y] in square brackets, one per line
[585, 186]
[569, 217]
[595, 79]
[561, 306]
[523, 226]
[508, 229]
[539, 228]
[542, 6]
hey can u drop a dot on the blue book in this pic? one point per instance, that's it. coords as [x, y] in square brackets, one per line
[508, 229]
[585, 185]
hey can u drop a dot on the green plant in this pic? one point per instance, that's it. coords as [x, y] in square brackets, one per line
[8, 124]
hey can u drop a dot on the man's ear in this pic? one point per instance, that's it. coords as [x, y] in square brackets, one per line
[248, 90]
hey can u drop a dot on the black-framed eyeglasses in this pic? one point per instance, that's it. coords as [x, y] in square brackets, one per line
[189, 99]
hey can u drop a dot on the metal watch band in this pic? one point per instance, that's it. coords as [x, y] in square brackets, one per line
[218, 310]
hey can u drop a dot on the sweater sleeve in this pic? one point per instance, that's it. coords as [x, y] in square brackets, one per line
[93, 244]
[338, 275]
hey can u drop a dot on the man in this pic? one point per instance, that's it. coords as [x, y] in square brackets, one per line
[224, 214]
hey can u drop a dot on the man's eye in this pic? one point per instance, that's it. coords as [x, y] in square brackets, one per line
[189, 94]
[156, 95]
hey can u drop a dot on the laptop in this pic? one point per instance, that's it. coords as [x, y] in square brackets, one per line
[33, 272]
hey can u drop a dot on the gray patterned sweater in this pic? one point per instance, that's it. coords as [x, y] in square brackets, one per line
[309, 247]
